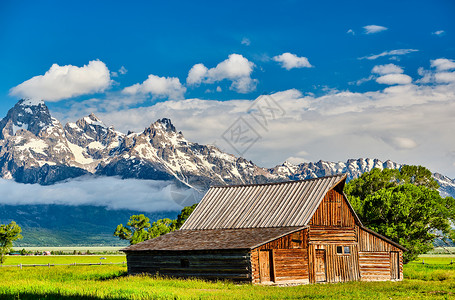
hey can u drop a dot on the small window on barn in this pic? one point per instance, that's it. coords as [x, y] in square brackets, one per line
[339, 250]
[184, 263]
[343, 250]
[296, 241]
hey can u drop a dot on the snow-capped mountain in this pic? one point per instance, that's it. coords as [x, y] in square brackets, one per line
[36, 148]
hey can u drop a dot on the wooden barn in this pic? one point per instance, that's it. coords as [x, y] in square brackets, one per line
[291, 232]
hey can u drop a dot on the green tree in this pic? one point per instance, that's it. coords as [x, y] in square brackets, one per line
[184, 214]
[160, 227]
[418, 175]
[404, 206]
[8, 233]
[370, 182]
[138, 228]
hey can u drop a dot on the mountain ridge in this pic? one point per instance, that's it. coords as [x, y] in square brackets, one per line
[37, 148]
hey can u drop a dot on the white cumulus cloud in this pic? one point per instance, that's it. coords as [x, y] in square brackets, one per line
[158, 87]
[235, 68]
[291, 61]
[443, 64]
[369, 29]
[441, 72]
[196, 74]
[387, 69]
[392, 79]
[63, 82]
[445, 77]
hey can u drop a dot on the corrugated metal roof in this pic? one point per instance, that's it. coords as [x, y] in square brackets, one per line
[215, 239]
[284, 204]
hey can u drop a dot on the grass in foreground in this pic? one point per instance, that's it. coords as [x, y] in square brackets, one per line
[111, 282]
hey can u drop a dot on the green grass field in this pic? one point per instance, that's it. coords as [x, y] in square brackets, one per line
[71, 249]
[64, 259]
[433, 280]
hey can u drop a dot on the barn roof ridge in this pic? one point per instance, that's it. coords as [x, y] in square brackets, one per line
[277, 183]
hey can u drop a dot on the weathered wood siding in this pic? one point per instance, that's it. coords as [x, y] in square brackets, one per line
[332, 225]
[374, 266]
[296, 240]
[255, 278]
[333, 212]
[369, 242]
[228, 264]
[375, 261]
[289, 258]
[291, 264]
[332, 235]
[339, 267]
[287, 265]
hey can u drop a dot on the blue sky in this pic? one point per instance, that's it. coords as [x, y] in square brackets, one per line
[361, 75]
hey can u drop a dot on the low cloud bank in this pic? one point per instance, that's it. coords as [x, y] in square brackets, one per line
[110, 192]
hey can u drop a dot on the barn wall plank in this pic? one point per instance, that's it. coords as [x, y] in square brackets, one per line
[335, 235]
[296, 240]
[374, 266]
[235, 265]
[290, 257]
[255, 266]
[291, 264]
[341, 267]
[333, 211]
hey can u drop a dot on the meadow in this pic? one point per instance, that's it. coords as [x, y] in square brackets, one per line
[70, 249]
[435, 279]
[64, 259]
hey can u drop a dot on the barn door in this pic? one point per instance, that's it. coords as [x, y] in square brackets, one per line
[265, 266]
[395, 265]
[319, 266]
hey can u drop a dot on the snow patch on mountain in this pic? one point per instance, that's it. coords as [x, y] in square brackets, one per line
[31, 102]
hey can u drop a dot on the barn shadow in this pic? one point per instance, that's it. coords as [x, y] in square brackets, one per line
[112, 276]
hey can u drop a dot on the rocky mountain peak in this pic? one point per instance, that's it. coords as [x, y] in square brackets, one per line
[91, 131]
[94, 118]
[288, 164]
[28, 114]
[90, 120]
[166, 124]
[31, 102]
